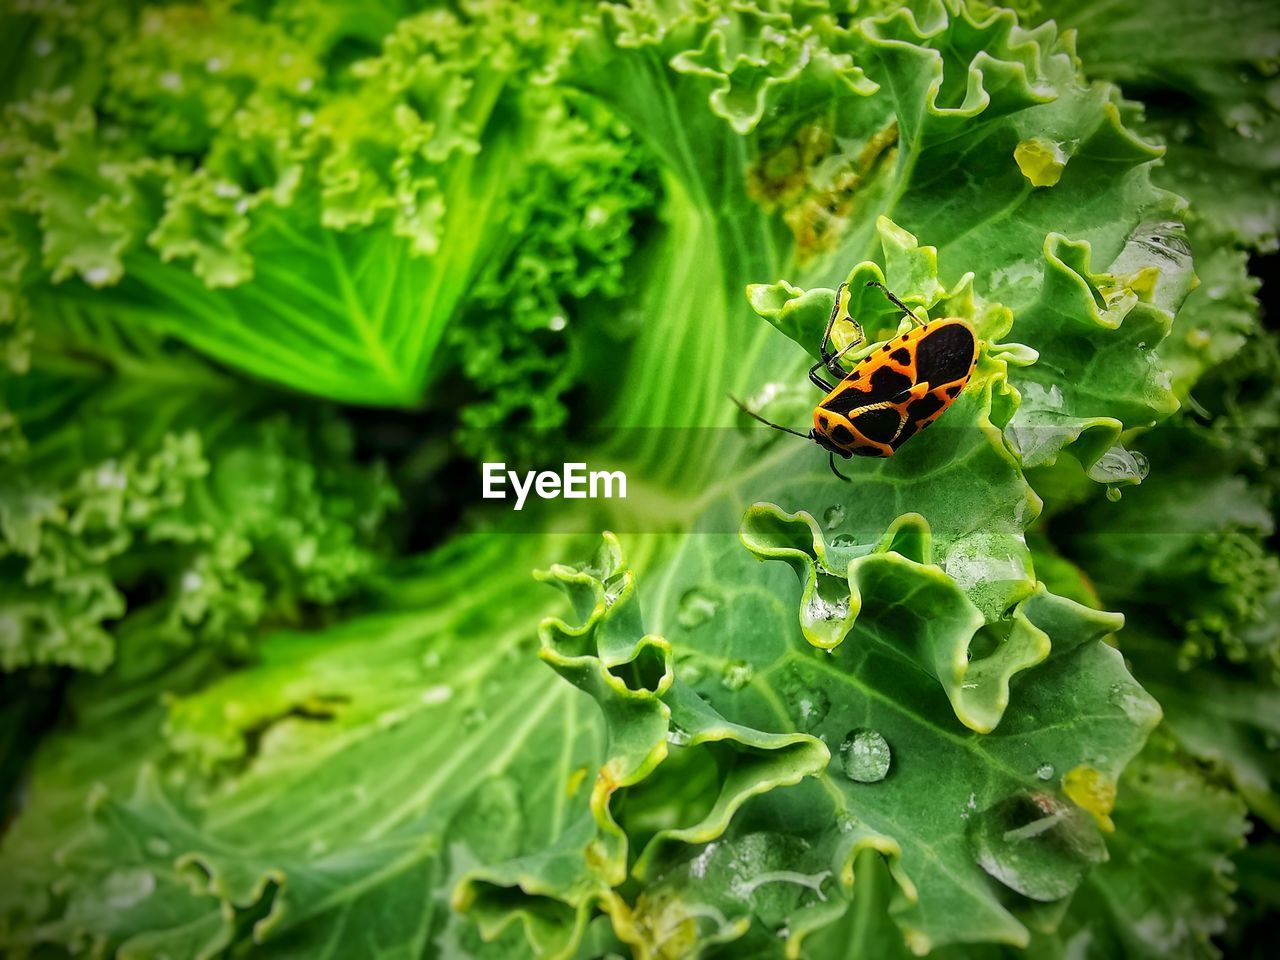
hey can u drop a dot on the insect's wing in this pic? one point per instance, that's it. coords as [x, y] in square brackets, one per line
[875, 379]
[945, 360]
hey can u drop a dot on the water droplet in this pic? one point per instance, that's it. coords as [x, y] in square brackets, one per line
[158, 847]
[1119, 465]
[97, 276]
[1036, 844]
[42, 47]
[844, 540]
[1138, 707]
[125, 888]
[473, 718]
[111, 477]
[437, 694]
[698, 865]
[690, 671]
[865, 756]
[697, 606]
[736, 675]
[557, 323]
[834, 516]
[806, 700]
[811, 708]
[821, 608]
[1045, 771]
[431, 659]
[492, 821]
[1114, 494]
[775, 874]
[677, 735]
[192, 581]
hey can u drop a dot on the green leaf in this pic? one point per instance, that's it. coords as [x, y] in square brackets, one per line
[210, 506]
[254, 813]
[233, 180]
[645, 707]
[1207, 71]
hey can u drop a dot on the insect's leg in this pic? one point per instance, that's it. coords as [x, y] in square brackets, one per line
[831, 321]
[818, 381]
[833, 361]
[831, 459]
[895, 301]
[829, 359]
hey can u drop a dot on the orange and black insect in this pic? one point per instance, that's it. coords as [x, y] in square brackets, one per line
[892, 394]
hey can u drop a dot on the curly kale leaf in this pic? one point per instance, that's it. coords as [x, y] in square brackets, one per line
[183, 507]
[308, 203]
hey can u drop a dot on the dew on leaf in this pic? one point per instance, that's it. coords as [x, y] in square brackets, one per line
[833, 516]
[697, 606]
[1045, 771]
[844, 540]
[865, 756]
[677, 735]
[1119, 465]
[736, 675]
[1137, 707]
[807, 702]
[1036, 844]
[690, 671]
[125, 888]
[492, 821]
[811, 708]
[820, 608]
[772, 873]
[436, 695]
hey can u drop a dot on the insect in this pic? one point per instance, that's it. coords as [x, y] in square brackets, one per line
[891, 394]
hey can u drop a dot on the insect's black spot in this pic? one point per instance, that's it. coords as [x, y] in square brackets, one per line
[925, 407]
[941, 356]
[885, 348]
[902, 355]
[878, 425]
[886, 383]
[866, 450]
[953, 391]
[842, 435]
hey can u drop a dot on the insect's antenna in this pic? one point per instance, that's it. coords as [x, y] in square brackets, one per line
[768, 423]
[831, 458]
[895, 301]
